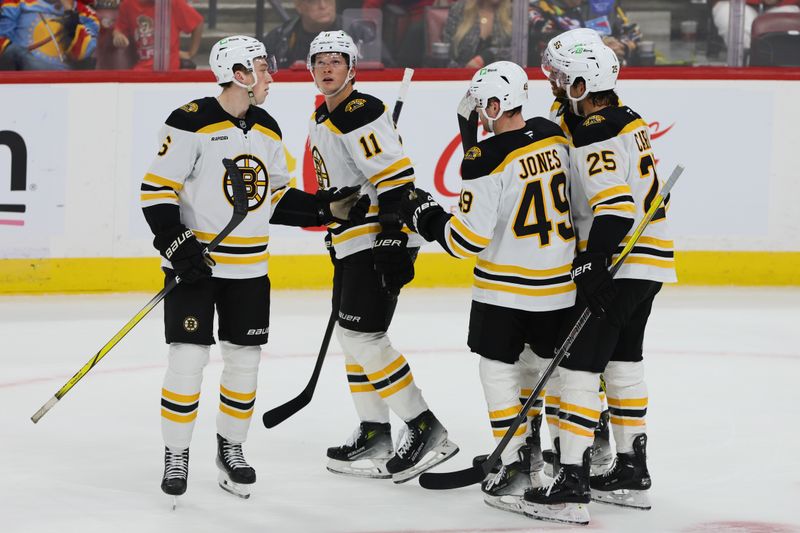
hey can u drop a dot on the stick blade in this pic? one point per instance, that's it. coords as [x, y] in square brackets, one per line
[452, 480]
[275, 416]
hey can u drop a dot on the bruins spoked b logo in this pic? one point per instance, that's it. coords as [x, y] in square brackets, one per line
[323, 181]
[190, 324]
[256, 181]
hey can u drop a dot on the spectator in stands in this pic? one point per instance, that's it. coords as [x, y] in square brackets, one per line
[721, 12]
[290, 41]
[136, 24]
[548, 18]
[47, 34]
[409, 26]
[479, 32]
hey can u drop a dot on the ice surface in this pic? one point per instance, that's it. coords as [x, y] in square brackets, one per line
[723, 368]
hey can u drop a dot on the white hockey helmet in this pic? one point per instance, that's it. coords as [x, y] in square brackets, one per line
[594, 62]
[238, 49]
[503, 80]
[333, 41]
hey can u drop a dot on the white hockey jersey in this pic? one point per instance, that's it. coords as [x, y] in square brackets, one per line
[187, 172]
[614, 173]
[357, 144]
[514, 215]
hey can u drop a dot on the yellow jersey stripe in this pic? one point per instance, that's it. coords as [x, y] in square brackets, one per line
[619, 190]
[662, 243]
[457, 249]
[394, 168]
[181, 419]
[659, 263]
[519, 152]
[388, 370]
[241, 396]
[240, 260]
[574, 428]
[180, 398]
[524, 291]
[627, 402]
[635, 125]
[243, 415]
[626, 207]
[578, 409]
[147, 196]
[356, 369]
[467, 233]
[328, 124]
[276, 196]
[218, 126]
[505, 413]
[362, 387]
[208, 237]
[268, 132]
[500, 433]
[627, 421]
[162, 181]
[395, 183]
[528, 272]
[356, 232]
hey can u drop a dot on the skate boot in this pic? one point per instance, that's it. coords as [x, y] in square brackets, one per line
[627, 482]
[566, 499]
[504, 489]
[601, 453]
[422, 445]
[365, 453]
[235, 475]
[176, 472]
[533, 443]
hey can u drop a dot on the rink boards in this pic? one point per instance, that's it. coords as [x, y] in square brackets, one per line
[72, 156]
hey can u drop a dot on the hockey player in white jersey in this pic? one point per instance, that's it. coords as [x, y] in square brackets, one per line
[354, 142]
[614, 181]
[186, 199]
[514, 214]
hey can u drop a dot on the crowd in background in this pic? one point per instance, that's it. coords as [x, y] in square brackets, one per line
[120, 34]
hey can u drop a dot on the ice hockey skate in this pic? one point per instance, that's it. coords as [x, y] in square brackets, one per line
[601, 452]
[627, 483]
[505, 489]
[565, 500]
[534, 444]
[423, 444]
[365, 453]
[235, 475]
[176, 473]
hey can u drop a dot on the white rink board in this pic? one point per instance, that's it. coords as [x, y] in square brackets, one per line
[89, 144]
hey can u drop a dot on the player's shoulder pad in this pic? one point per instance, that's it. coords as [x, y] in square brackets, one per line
[603, 125]
[358, 110]
[196, 115]
[483, 158]
[265, 120]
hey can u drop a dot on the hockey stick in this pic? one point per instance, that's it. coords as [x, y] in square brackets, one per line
[278, 414]
[475, 474]
[239, 212]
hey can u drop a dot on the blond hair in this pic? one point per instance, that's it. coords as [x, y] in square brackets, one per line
[470, 17]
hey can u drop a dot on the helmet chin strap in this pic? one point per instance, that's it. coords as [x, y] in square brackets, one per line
[489, 120]
[249, 88]
[574, 101]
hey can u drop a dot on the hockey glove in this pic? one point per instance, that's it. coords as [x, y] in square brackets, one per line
[180, 247]
[333, 205]
[468, 121]
[593, 281]
[392, 258]
[417, 208]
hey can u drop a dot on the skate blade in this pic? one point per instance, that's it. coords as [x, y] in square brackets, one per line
[631, 499]
[564, 513]
[237, 489]
[373, 468]
[433, 457]
[174, 502]
[507, 502]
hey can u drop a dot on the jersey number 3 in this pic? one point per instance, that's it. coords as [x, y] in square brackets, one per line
[533, 200]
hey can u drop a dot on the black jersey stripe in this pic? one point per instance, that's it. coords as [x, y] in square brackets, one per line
[632, 413]
[179, 408]
[644, 250]
[615, 200]
[464, 243]
[578, 420]
[240, 250]
[242, 406]
[399, 374]
[152, 188]
[357, 378]
[521, 281]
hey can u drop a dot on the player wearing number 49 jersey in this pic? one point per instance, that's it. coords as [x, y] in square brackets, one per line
[515, 216]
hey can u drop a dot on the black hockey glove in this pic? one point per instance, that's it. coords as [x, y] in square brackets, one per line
[180, 247]
[333, 205]
[392, 259]
[593, 281]
[417, 208]
[69, 23]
